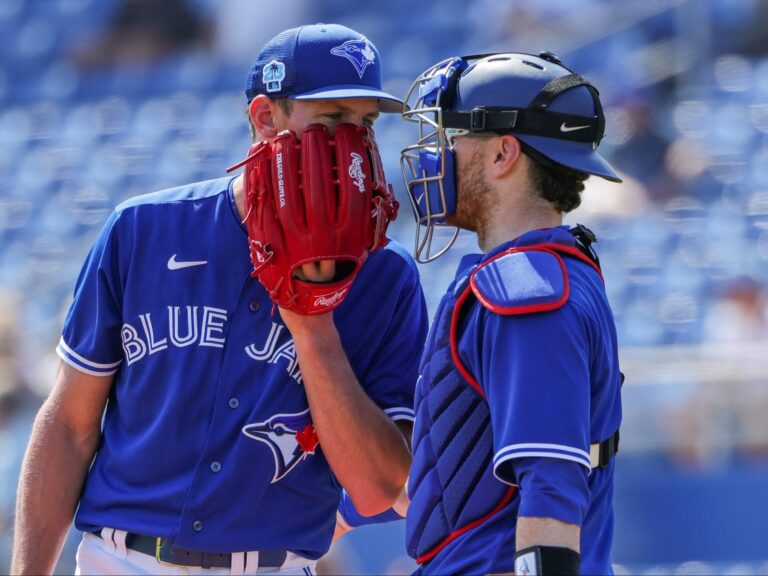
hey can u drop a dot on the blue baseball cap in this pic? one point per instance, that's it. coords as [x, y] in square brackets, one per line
[512, 81]
[319, 62]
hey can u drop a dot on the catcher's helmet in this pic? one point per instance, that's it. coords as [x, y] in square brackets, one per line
[555, 113]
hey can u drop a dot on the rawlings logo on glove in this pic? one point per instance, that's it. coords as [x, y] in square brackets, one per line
[356, 172]
[315, 200]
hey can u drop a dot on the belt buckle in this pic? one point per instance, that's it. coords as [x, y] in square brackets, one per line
[158, 548]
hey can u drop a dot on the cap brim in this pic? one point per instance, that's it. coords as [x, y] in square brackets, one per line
[387, 102]
[576, 155]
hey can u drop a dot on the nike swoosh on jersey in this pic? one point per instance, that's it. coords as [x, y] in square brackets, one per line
[174, 265]
[564, 128]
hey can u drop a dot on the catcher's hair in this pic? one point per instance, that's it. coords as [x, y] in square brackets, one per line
[285, 104]
[558, 185]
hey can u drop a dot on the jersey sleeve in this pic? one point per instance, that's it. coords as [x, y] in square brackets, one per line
[348, 514]
[91, 340]
[534, 370]
[390, 379]
[552, 488]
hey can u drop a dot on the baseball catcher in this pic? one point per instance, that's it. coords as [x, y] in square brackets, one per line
[518, 403]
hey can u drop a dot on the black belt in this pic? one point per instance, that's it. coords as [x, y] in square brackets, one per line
[165, 552]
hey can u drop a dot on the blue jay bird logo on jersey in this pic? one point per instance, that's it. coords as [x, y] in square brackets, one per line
[273, 75]
[359, 52]
[291, 437]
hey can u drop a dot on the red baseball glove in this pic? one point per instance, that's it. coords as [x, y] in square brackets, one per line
[318, 199]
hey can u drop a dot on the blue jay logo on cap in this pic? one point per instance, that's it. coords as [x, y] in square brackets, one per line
[359, 52]
[273, 75]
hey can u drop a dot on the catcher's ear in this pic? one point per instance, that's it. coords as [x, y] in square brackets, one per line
[506, 150]
[262, 112]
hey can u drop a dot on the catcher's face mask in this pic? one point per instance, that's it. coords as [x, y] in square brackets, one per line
[428, 165]
[554, 113]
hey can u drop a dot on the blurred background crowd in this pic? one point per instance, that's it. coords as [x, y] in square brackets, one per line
[102, 100]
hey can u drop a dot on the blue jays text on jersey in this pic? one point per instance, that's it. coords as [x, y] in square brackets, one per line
[519, 382]
[207, 437]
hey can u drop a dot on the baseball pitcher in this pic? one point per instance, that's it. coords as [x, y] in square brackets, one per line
[239, 352]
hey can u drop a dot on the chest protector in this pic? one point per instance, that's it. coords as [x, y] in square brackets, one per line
[452, 487]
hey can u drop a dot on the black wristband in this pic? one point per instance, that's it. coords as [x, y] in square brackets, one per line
[547, 561]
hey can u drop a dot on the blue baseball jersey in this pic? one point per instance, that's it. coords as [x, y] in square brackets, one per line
[207, 436]
[536, 337]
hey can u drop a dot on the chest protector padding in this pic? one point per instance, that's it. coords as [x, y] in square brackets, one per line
[453, 438]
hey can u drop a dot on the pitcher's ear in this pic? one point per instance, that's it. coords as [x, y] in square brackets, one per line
[262, 111]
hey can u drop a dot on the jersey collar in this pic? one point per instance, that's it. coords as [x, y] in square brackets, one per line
[556, 235]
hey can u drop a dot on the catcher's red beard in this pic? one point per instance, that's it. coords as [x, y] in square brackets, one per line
[473, 195]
